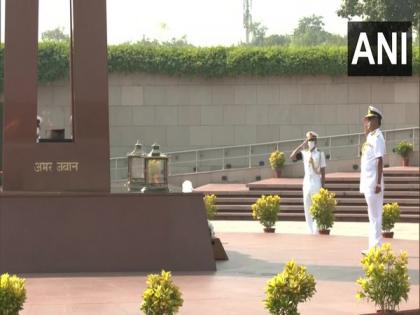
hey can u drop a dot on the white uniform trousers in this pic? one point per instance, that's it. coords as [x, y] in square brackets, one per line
[375, 204]
[310, 187]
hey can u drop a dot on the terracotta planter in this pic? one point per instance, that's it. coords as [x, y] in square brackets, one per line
[405, 162]
[405, 312]
[269, 230]
[278, 173]
[388, 234]
[385, 312]
[324, 232]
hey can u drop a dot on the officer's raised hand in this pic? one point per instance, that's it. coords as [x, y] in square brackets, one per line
[298, 149]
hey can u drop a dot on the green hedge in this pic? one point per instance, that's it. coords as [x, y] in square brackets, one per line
[206, 62]
[227, 61]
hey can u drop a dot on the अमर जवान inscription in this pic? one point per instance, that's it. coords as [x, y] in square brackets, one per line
[60, 167]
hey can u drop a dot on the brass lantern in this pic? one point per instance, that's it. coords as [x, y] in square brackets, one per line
[135, 161]
[156, 170]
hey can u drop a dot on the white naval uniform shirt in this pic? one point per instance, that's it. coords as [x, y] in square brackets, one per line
[372, 149]
[319, 161]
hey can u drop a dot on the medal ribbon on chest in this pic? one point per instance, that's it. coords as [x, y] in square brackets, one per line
[317, 169]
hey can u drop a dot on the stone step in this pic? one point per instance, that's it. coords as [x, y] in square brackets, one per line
[389, 187]
[283, 193]
[339, 208]
[402, 171]
[299, 200]
[387, 179]
[402, 185]
[333, 186]
[339, 217]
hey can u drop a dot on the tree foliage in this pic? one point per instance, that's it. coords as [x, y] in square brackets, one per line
[56, 34]
[258, 32]
[173, 42]
[382, 10]
[278, 40]
[309, 32]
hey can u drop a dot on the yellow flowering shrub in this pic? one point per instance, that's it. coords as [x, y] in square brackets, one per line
[386, 280]
[390, 215]
[322, 208]
[404, 148]
[266, 210]
[12, 294]
[162, 296]
[210, 205]
[284, 292]
[277, 160]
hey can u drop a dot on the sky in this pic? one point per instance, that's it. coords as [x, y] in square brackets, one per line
[205, 23]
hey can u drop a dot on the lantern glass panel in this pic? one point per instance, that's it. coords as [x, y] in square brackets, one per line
[156, 171]
[137, 168]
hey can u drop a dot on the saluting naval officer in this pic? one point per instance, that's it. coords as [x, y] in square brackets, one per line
[314, 166]
[371, 174]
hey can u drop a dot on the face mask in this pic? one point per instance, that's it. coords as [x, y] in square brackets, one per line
[311, 145]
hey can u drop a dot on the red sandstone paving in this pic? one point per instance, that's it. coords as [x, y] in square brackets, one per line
[408, 169]
[343, 175]
[279, 181]
[222, 187]
[238, 285]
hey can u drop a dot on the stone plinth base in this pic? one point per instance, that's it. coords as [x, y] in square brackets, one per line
[77, 232]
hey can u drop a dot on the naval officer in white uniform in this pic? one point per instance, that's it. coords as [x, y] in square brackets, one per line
[371, 174]
[314, 165]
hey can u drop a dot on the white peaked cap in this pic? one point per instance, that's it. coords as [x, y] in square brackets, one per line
[373, 112]
[313, 133]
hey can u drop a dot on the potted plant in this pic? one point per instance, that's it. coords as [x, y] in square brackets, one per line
[322, 210]
[277, 160]
[386, 281]
[266, 210]
[12, 294]
[287, 289]
[162, 296]
[218, 249]
[403, 149]
[210, 205]
[390, 215]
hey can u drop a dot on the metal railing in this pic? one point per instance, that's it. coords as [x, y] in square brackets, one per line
[337, 147]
